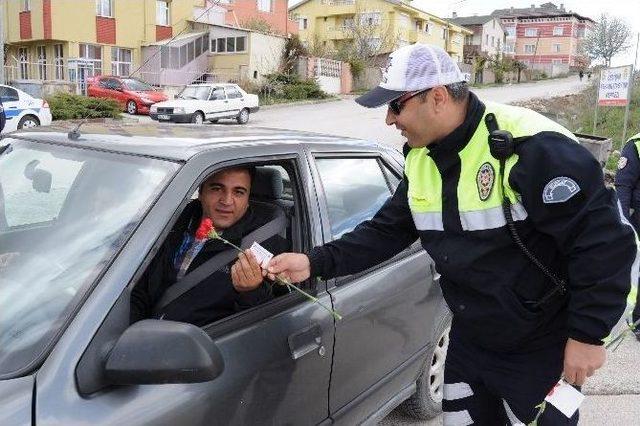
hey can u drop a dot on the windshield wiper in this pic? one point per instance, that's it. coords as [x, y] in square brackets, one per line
[5, 148]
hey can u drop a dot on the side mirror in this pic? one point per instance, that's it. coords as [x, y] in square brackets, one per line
[158, 352]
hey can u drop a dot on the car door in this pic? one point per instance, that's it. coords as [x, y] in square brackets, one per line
[236, 101]
[388, 309]
[12, 108]
[277, 356]
[218, 104]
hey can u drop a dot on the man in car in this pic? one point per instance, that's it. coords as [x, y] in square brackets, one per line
[488, 188]
[223, 198]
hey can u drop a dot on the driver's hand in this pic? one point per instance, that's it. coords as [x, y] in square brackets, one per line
[246, 273]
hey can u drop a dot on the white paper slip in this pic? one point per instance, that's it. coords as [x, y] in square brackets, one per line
[263, 256]
[565, 398]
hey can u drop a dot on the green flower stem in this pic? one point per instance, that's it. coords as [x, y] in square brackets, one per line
[213, 234]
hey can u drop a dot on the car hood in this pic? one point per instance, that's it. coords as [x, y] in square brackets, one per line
[16, 400]
[151, 94]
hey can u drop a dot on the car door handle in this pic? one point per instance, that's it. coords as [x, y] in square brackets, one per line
[305, 341]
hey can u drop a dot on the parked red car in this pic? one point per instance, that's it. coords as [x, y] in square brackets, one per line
[134, 95]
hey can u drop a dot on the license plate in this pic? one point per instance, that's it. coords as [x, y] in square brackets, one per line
[163, 117]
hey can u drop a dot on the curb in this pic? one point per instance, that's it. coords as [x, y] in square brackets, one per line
[290, 104]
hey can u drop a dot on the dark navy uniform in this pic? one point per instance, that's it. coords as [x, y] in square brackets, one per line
[628, 187]
[506, 350]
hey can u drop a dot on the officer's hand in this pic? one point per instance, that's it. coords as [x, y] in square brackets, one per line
[294, 267]
[246, 273]
[581, 360]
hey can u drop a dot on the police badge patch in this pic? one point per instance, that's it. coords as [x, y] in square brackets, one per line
[559, 190]
[622, 162]
[485, 179]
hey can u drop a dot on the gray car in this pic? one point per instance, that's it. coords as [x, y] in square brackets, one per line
[84, 212]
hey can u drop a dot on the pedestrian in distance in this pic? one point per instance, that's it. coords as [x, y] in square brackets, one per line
[627, 184]
[588, 75]
[580, 74]
[515, 214]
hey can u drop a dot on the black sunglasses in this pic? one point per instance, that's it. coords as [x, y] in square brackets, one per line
[396, 105]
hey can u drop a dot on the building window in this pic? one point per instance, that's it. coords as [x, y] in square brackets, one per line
[486, 39]
[162, 13]
[558, 31]
[348, 24]
[370, 19]
[93, 54]
[302, 23]
[264, 5]
[404, 21]
[229, 44]
[58, 61]
[556, 61]
[41, 51]
[493, 41]
[444, 33]
[529, 48]
[26, 5]
[511, 31]
[427, 28]
[23, 57]
[556, 48]
[120, 61]
[104, 8]
[531, 32]
[418, 26]
[580, 33]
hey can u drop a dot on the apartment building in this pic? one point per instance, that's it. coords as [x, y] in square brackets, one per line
[166, 42]
[545, 36]
[488, 38]
[376, 22]
[273, 13]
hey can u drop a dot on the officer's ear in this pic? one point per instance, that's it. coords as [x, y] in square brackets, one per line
[440, 97]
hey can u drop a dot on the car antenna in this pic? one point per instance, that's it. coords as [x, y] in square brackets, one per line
[74, 135]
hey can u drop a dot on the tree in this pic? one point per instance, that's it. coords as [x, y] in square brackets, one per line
[609, 37]
[293, 49]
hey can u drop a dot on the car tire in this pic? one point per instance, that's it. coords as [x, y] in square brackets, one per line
[243, 116]
[132, 107]
[426, 402]
[28, 121]
[197, 117]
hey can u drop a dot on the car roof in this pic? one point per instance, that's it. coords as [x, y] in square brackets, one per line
[171, 141]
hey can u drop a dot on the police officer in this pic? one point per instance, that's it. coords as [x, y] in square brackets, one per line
[518, 325]
[628, 186]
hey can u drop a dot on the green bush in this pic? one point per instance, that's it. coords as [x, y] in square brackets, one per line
[65, 106]
[289, 87]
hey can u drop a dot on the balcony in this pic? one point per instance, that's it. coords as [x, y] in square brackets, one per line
[338, 7]
[472, 50]
[338, 33]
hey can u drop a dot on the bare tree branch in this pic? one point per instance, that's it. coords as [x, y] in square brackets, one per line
[609, 37]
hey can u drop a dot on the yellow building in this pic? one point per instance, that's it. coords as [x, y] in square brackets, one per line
[383, 25]
[165, 42]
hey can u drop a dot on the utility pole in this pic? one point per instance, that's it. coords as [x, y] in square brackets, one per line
[2, 30]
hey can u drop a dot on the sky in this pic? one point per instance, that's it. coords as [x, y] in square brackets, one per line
[628, 10]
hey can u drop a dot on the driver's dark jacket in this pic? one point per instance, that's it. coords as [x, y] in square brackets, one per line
[212, 299]
[485, 278]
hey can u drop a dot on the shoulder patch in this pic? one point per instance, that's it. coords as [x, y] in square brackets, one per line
[484, 179]
[622, 162]
[559, 190]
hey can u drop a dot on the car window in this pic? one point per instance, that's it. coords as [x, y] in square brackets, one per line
[217, 94]
[392, 177]
[233, 93]
[354, 189]
[8, 94]
[195, 92]
[137, 85]
[63, 217]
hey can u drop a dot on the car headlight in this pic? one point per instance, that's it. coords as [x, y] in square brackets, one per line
[147, 101]
[178, 110]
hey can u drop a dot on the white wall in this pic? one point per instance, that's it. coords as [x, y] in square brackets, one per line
[493, 29]
[265, 54]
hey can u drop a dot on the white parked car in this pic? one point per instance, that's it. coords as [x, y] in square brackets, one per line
[198, 103]
[23, 110]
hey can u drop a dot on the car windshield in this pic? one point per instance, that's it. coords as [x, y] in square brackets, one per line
[137, 85]
[64, 214]
[195, 92]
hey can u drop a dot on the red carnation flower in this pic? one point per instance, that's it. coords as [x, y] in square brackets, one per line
[206, 226]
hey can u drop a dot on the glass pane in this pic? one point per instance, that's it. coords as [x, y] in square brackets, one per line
[175, 58]
[240, 44]
[183, 56]
[50, 194]
[198, 46]
[164, 57]
[221, 45]
[190, 52]
[114, 54]
[351, 197]
[231, 44]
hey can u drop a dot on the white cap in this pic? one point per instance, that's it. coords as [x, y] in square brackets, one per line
[411, 68]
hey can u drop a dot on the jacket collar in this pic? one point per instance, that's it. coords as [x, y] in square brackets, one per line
[455, 141]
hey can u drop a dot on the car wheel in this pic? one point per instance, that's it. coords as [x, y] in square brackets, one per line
[243, 116]
[197, 118]
[132, 108]
[426, 402]
[28, 121]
